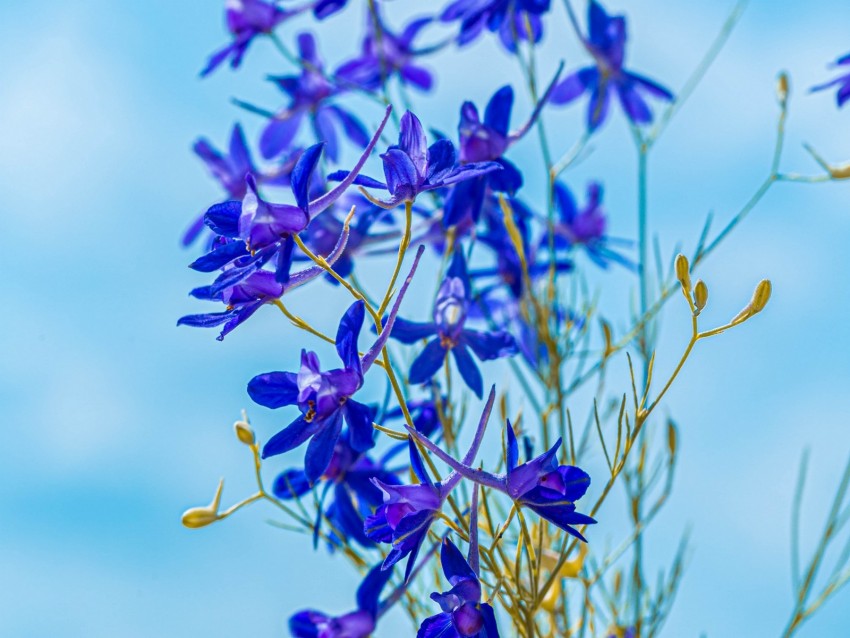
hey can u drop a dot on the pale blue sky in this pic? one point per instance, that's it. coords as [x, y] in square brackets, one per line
[115, 421]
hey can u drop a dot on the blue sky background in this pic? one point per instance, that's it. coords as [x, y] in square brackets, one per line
[115, 421]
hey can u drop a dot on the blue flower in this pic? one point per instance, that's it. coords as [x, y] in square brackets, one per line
[541, 484]
[356, 624]
[325, 397]
[463, 615]
[386, 54]
[246, 19]
[449, 333]
[310, 94]
[514, 20]
[607, 44]
[409, 510]
[842, 82]
[412, 167]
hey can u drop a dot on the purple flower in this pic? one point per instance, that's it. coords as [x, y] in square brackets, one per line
[842, 82]
[584, 227]
[463, 615]
[356, 624]
[426, 417]
[449, 333]
[409, 510]
[514, 20]
[607, 44]
[349, 474]
[412, 167]
[246, 19]
[325, 398]
[488, 141]
[385, 54]
[541, 484]
[310, 94]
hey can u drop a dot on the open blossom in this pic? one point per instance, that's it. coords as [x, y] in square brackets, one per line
[385, 54]
[541, 484]
[606, 42]
[412, 167]
[842, 82]
[325, 397]
[246, 19]
[409, 510]
[310, 95]
[513, 20]
[463, 615]
[448, 333]
[359, 623]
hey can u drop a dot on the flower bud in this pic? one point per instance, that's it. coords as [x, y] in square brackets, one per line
[760, 298]
[700, 294]
[244, 432]
[782, 89]
[197, 517]
[683, 272]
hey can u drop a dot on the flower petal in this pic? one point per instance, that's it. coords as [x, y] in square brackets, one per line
[289, 437]
[468, 370]
[274, 389]
[428, 363]
[321, 447]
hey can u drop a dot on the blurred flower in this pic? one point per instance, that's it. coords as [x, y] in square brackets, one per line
[246, 19]
[607, 44]
[842, 82]
[450, 334]
[412, 167]
[463, 615]
[310, 93]
[514, 20]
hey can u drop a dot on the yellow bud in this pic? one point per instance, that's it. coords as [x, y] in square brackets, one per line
[244, 432]
[700, 295]
[782, 89]
[197, 517]
[683, 272]
[760, 298]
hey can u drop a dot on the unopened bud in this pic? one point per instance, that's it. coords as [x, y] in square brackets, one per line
[683, 272]
[244, 432]
[760, 298]
[700, 295]
[197, 517]
[782, 89]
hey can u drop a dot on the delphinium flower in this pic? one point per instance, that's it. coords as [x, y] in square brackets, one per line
[412, 167]
[487, 141]
[606, 42]
[409, 510]
[842, 82]
[424, 412]
[253, 232]
[325, 397]
[541, 484]
[349, 474]
[448, 333]
[246, 19]
[463, 615]
[310, 96]
[585, 227]
[385, 54]
[514, 20]
[356, 624]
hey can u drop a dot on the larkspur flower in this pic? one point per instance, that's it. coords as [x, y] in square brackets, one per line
[246, 19]
[842, 82]
[325, 398]
[409, 510]
[585, 227]
[412, 167]
[356, 624]
[385, 54]
[424, 412]
[541, 484]
[488, 141]
[310, 96]
[265, 229]
[349, 474]
[606, 42]
[463, 615]
[449, 333]
[514, 20]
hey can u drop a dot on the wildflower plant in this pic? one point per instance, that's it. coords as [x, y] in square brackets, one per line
[509, 533]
